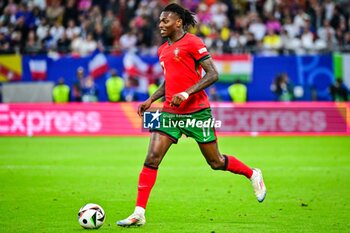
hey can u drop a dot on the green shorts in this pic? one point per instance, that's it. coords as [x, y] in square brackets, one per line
[199, 125]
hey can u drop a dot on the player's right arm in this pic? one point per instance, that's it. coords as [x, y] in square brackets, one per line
[159, 93]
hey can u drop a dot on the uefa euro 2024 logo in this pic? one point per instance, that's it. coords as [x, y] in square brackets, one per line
[151, 120]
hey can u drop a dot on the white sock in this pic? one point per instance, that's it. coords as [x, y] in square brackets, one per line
[139, 210]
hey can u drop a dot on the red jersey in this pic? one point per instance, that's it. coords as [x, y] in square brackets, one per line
[180, 62]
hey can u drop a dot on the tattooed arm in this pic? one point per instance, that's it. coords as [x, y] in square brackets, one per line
[209, 78]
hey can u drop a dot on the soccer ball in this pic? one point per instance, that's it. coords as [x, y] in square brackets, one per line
[91, 216]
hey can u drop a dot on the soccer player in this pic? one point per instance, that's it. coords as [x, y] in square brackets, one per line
[182, 58]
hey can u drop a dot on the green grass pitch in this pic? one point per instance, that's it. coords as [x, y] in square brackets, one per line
[44, 182]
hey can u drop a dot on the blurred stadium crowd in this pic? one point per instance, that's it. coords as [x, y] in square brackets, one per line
[227, 26]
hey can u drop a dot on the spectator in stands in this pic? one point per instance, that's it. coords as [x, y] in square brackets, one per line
[8, 16]
[72, 30]
[203, 14]
[129, 93]
[41, 4]
[307, 39]
[327, 33]
[143, 10]
[225, 38]
[233, 43]
[37, 15]
[347, 42]
[116, 33]
[26, 14]
[273, 24]
[55, 11]
[84, 47]
[84, 5]
[43, 29]
[63, 44]
[86, 25]
[290, 28]
[32, 43]
[60, 92]
[113, 5]
[300, 20]
[48, 41]
[12, 6]
[213, 94]
[95, 15]
[272, 42]
[289, 44]
[126, 13]
[99, 35]
[78, 85]
[4, 44]
[238, 92]
[341, 31]
[146, 37]
[70, 13]
[107, 24]
[114, 86]
[219, 14]
[339, 91]
[257, 28]
[17, 42]
[251, 43]
[56, 31]
[128, 40]
[329, 6]
[282, 88]
[90, 90]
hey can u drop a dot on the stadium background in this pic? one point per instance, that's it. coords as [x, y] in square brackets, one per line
[45, 180]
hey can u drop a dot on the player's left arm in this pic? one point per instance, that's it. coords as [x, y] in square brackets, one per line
[210, 77]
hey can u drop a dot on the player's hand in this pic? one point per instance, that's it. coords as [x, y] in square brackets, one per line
[178, 99]
[143, 107]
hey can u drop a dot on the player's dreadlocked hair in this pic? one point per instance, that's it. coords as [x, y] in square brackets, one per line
[184, 14]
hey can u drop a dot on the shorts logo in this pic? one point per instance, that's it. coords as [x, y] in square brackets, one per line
[151, 120]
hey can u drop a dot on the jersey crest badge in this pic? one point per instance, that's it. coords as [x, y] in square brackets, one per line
[176, 54]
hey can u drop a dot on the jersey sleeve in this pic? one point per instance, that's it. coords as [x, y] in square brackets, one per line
[198, 49]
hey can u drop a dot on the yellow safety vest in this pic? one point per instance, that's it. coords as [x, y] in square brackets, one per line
[238, 93]
[114, 86]
[60, 93]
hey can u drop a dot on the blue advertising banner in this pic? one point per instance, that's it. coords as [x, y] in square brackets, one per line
[313, 73]
[67, 66]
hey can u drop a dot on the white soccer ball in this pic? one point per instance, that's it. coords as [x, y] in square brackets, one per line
[91, 216]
